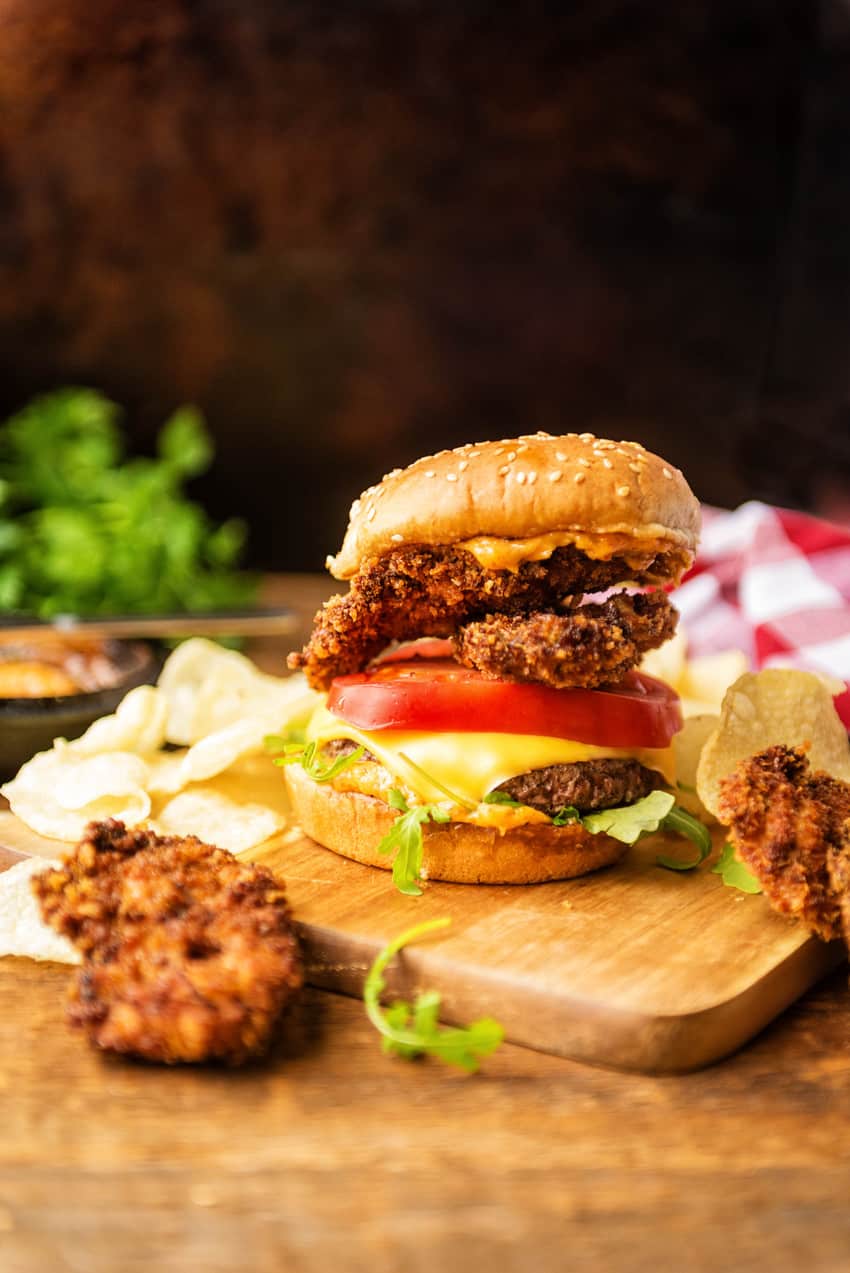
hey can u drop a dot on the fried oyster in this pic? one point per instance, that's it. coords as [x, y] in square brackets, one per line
[422, 590]
[188, 954]
[791, 828]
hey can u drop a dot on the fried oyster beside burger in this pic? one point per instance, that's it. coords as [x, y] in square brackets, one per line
[485, 720]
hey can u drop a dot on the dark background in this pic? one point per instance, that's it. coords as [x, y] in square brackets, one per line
[353, 233]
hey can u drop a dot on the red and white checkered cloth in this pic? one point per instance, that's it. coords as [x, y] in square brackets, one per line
[775, 584]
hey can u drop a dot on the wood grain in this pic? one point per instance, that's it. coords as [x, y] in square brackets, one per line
[333, 1156]
[633, 966]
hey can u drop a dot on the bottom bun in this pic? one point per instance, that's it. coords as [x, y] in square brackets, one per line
[459, 852]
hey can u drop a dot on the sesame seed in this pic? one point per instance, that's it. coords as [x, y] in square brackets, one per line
[579, 478]
[623, 491]
[511, 455]
[520, 477]
[585, 464]
[370, 515]
[451, 477]
[396, 538]
[588, 437]
[532, 477]
[473, 455]
[555, 475]
[429, 473]
[506, 468]
[607, 463]
[560, 457]
[464, 464]
[667, 473]
[635, 468]
[498, 450]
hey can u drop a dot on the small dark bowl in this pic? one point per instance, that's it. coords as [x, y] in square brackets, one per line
[28, 725]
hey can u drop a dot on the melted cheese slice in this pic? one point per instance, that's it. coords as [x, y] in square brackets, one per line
[470, 764]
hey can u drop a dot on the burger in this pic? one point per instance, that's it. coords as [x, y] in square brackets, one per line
[483, 716]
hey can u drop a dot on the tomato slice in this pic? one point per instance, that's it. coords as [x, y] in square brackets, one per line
[433, 693]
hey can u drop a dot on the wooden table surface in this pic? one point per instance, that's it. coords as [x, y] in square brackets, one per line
[332, 1156]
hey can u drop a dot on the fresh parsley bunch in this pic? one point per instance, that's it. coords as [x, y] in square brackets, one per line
[84, 530]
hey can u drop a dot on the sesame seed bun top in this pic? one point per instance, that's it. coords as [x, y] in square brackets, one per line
[609, 498]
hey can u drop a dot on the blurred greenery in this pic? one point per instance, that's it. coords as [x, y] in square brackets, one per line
[86, 530]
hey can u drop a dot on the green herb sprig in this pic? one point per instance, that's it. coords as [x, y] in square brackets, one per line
[84, 530]
[413, 1030]
[308, 756]
[405, 839]
[629, 822]
[684, 823]
[461, 801]
[733, 873]
[502, 797]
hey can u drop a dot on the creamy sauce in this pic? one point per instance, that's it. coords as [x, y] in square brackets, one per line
[493, 553]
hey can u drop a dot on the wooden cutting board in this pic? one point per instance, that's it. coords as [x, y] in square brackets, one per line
[633, 967]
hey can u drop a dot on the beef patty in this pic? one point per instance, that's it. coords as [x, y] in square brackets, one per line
[585, 785]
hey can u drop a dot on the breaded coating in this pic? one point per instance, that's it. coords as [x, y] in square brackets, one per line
[189, 954]
[792, 830]
[420, 591]
[588, 646]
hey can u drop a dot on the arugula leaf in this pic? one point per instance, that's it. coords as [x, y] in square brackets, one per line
[405, 838]
[630, 821]
[734, 873]
[456, 799]
[307, 755]
[685, 824]
[569, 813]
[502, 797]
[413, 1030]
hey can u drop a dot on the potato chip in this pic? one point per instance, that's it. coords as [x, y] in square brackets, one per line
[213, 700]
[217, 819]
[218, 751]
[22, 930]
[88, 779]
[206, 688]
[252, 780]
[777, 705]
[687, 748]
[668, 661]
[165, 772]
[138, 725]
[57, 792]
[706, 679]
